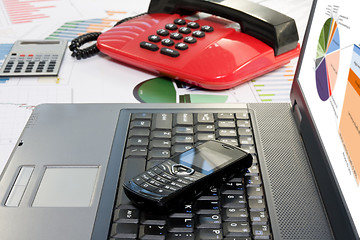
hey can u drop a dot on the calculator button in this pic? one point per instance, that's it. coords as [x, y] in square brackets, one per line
[170, 52]
[149, 46]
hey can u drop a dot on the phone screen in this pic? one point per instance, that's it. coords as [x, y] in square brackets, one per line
[203, 159]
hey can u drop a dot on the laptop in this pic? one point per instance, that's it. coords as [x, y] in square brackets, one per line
[64, 178]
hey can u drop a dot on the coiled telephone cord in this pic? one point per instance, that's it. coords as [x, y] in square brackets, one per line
[77, 43]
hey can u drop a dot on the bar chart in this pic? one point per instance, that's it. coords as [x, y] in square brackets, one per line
[20, 11]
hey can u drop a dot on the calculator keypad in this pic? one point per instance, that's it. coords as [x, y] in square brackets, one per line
[34, 58]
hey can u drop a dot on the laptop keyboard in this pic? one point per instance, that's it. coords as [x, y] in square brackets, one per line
[234, 211]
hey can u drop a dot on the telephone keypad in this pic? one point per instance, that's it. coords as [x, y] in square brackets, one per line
[192, 29]
[161, 180]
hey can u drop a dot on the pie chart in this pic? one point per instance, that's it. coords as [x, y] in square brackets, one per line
[327, 59]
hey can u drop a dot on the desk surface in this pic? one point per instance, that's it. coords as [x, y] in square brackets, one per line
[97, 79]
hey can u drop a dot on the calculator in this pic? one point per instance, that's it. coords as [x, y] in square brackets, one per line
[34, 58]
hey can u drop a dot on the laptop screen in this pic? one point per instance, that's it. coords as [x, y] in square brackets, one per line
[330, 81]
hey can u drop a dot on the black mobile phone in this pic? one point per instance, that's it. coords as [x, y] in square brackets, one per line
[185, 176]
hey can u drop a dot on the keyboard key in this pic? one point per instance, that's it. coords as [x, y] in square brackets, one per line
[255, 192]
[158, 153]
[261, 232]
[138, 141]
[124, 230]
[187, 139]
[204, 137]
[183, 130]
[225, 116]
[180, 236]
[140, 124]
[209, 234]
[233, 200]
[235, 214]
[183, 119]
[236, 229]
[204, 118]
[139, 132]
[127, 214]
[159, 143]
[226, 133]
[153, 218]
[136, 116]
[208, 221]
[162, 121]
[257, 205]
[160, 134]
[180, 224]
[233, 188]
[259, 218]
[152, 232]
[136, 151]
[244, 115]
[179, 148]
[205, 128]
[225, 124]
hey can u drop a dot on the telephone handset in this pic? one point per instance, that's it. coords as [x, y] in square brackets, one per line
[204, 50]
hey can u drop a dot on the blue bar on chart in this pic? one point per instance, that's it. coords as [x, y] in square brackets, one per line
[4, 51]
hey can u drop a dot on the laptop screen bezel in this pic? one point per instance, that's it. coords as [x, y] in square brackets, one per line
[334, 203]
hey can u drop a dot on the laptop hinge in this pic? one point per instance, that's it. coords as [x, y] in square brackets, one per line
[297, 114]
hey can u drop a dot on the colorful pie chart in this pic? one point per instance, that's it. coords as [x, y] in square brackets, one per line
[327, 59]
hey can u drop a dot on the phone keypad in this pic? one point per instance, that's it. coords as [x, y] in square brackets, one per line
[176, 37]
[161, 180]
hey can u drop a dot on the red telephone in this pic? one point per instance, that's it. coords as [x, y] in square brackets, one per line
[205, 52]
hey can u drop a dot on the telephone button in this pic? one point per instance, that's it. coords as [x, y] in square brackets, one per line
[179, 21]
[171, 26]
[190, 39]
[167, 42]
[181, 46]
[193, 25]
[154, 38]
[149, 46]
[207, 28]
[198, 34]
[169, 52]
[176, 36]
[185, 30]
[162, 32]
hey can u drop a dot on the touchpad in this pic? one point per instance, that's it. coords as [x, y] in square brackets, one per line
[67, 186]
